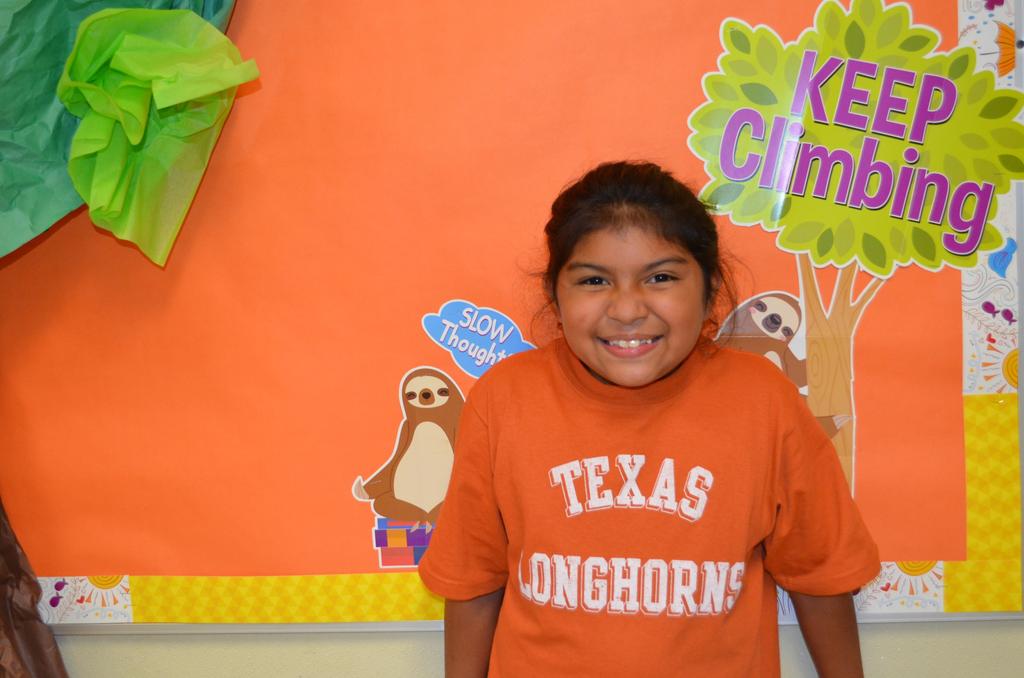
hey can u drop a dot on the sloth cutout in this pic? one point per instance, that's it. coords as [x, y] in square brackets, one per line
[410, 487]
[766, 324]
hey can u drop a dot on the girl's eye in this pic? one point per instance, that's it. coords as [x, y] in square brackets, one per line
[592, 280]
[662, 277]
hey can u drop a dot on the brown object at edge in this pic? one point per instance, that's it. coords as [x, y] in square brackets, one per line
[27, 646]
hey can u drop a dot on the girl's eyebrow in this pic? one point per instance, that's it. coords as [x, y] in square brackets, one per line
[663, 262]
[582, 264]
[654, 264]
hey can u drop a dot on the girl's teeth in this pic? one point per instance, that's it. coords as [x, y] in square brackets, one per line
[629, 343]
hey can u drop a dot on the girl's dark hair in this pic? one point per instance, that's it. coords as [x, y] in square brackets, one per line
[620, 194]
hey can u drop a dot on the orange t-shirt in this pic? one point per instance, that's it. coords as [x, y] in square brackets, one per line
[642, 531]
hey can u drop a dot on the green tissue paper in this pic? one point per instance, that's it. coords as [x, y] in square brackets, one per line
[153, 89]
[35, 127]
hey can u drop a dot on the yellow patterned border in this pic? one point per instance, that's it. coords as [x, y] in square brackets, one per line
[299, 599]
[990, 579]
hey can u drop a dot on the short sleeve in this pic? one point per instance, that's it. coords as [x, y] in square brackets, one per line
[467, 556]
[819, 544]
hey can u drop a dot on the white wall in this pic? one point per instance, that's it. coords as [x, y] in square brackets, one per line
[975, 649]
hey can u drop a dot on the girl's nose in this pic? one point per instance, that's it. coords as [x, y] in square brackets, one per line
[627, 306]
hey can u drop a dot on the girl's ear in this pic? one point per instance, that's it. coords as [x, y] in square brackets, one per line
[557, 310]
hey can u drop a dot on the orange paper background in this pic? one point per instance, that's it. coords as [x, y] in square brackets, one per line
[209, 418]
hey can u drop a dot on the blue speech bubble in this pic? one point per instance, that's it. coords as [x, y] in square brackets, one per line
[477, 337]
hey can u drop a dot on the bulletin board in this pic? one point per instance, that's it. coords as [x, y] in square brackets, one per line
[197, 442]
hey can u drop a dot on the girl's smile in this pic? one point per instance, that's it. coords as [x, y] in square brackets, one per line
[630, 347]
[631, 303]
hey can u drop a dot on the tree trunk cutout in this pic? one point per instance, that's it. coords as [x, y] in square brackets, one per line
[830, 334]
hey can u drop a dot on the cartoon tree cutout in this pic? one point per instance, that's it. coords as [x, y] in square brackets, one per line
[977, 148]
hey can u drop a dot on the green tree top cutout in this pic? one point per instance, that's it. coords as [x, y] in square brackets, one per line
[979, 143]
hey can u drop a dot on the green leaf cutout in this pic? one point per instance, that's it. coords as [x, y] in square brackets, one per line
[743, 67]
[958, 67]
[898, 240]
[984, 170]
[739, 40]
[998, 107]
[781, 208]
[759, 94]
[854, 40]
[923, 243]
[844, 237]
[974, 141]
[914, 43]
[1008, 137]
[804, 233]
[722, 90]
[767, 55]
[1012, 163]
[875, 252]
[824, 243]
[724, 194]
[954, 169]
[977, 91]
[890, 29]
[714, 118]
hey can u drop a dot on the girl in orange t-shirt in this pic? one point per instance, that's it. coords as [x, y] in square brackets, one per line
[550, 565]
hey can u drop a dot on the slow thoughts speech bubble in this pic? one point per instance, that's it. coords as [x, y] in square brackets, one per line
[477, 337]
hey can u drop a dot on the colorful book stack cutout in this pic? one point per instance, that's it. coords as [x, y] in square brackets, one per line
[400, 544]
